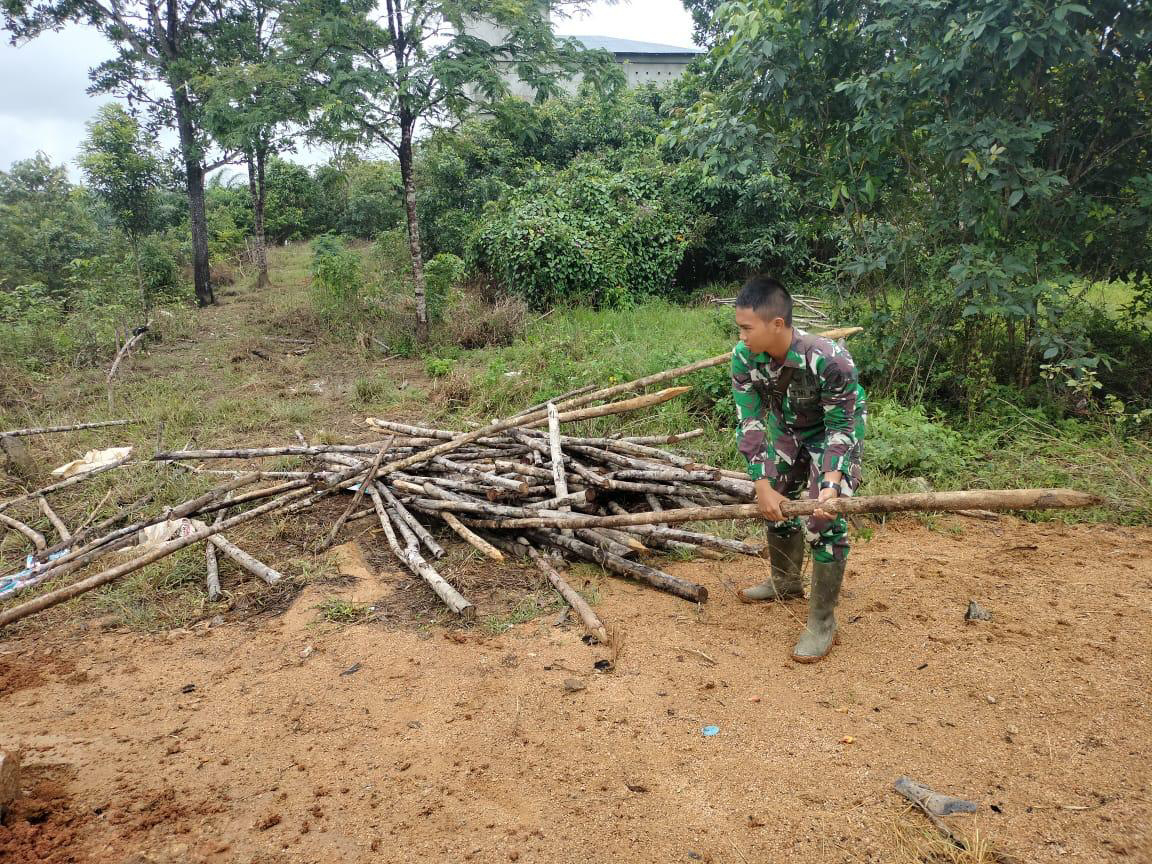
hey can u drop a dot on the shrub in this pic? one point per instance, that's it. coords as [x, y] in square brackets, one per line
[337, 279]
[586, 235]
[441, 275]
[904, 441]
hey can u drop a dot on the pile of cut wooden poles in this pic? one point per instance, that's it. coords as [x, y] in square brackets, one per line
[518, 486]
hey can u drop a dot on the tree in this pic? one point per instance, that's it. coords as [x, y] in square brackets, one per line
[418, 66]
[987, 147]
[121, 169]
[158, 42]
[45, 224]
[254, 96]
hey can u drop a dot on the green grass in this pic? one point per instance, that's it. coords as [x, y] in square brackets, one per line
[337, 610]
[201, 383]
[528, 608]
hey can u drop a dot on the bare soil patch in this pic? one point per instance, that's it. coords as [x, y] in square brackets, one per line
[281, 739]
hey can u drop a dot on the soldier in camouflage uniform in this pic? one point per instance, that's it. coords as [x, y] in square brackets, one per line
[802, 414]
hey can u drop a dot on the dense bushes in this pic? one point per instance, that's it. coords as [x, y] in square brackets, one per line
[586, 235]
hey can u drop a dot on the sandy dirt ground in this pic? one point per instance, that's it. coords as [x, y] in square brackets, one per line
[278, 740]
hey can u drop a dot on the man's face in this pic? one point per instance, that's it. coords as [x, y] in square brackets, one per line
[760, 334]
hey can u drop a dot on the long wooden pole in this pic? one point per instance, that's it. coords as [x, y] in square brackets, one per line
[52, 598]
[592, 623]
[47, 430]
[992, 499]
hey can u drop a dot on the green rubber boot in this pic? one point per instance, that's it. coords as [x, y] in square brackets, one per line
[787, 556]
[820, 632]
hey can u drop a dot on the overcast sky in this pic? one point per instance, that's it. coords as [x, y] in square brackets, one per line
[44, 106]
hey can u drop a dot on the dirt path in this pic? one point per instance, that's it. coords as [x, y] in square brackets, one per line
[225, 744]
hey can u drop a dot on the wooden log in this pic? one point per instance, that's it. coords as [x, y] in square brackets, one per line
[625, 405]
[471, 538]
[625, 539]
[991, 499]
[411, 557]
[52, 598]
[422, 533]
[719, 543]
[365, 482]
[593, 626]
[61, 529]
[667, 475]
[656, 507]
[67, 482]
[622, 566]
[49, 430]
[603, 541]
[583, 498]
[261, 452]
[28, 531]
[559, 480]
[483, 508]
[212, 572]
[520, 468]
[662, 439]
[242, 559]
[86, 531]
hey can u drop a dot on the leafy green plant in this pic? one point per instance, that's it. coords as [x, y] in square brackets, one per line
[442, 276]
[337, 610]
[337, 279]
[439, 367]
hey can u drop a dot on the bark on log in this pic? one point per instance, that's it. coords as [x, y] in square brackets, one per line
[622, 566]
[471, 538]
[993, 499]
[212, 572]
[61, 529]
[28, 531]
[422, 533]
[593, 626]
[242, 559]
[66, 483]
[48, 430]
[411, 557]
[603, 541]
[53, 598]
[582, 498]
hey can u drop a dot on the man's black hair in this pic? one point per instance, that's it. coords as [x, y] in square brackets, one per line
[767, 298]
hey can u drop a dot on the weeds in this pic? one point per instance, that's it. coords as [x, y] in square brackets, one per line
[337, 610]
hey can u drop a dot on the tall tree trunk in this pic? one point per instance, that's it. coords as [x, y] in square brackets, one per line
[257, 189]
[407, 174]
[194, 178]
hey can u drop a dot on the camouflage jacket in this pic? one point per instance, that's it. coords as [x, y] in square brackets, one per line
[823, 410]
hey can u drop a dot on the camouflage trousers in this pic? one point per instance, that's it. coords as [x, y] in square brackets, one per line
[827, 537]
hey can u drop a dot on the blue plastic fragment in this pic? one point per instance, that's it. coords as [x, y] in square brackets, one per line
[709, 731]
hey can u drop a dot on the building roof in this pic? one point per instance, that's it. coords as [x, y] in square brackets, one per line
[631, 46]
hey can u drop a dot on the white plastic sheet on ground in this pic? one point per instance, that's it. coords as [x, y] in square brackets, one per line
[92, 460]
[150, 537]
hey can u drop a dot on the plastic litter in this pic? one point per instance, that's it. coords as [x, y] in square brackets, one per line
[710, 731]
[92, 460]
